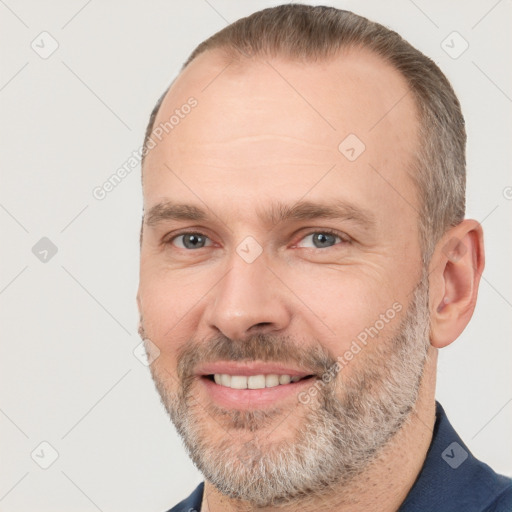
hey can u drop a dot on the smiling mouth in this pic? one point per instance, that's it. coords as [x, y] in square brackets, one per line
[260, 381]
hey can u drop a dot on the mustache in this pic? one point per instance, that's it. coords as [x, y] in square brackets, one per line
[314, 359]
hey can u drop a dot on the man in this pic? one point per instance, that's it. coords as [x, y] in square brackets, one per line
[304, 255]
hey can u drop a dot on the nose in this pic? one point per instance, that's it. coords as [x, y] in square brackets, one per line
[249, 300]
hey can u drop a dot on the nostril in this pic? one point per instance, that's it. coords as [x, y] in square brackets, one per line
[262, 324]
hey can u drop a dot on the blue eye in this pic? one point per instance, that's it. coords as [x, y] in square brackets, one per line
[191, 241]
[320, 240]
[315, 240]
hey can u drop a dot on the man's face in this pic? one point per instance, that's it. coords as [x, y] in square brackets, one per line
[271, 251]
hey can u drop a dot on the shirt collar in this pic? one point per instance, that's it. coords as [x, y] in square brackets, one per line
[452, 479]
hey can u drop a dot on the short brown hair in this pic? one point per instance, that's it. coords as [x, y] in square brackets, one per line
[308, 33]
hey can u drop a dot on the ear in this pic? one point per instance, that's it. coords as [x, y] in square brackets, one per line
[140, 329]
[454, 275]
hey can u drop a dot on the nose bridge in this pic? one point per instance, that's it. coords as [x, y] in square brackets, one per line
[248, 299]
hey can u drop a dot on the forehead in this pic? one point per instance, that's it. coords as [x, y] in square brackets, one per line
[260, 123]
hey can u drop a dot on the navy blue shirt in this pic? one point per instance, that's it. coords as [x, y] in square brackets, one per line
[451, 480]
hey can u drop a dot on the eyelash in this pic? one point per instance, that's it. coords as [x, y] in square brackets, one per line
[345, 239]
[342, 236]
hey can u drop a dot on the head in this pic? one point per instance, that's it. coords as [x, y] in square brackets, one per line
[303, 219]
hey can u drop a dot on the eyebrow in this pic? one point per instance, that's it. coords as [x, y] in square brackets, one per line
[274, 214]
[171, 211]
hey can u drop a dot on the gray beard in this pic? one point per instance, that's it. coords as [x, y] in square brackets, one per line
[337, 434]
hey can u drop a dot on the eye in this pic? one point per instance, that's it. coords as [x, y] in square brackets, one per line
[191, 241]
[320, 240]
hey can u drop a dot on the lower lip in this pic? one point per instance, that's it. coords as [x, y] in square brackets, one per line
[248, 399]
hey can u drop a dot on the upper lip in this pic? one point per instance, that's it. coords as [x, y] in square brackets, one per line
[250, 368]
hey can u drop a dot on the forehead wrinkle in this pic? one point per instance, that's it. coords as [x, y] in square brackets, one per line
[275, 213]
[304, 210]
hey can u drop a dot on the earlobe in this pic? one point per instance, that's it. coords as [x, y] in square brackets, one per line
[139, 328]
[455, 271]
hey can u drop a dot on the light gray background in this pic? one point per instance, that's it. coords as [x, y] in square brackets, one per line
[68, 373]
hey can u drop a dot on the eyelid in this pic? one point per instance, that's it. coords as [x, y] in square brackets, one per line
[171, 237]
[327, 231]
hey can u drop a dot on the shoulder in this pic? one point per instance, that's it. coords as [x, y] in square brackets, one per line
[192, 503]
[503, 502]
[454, 480]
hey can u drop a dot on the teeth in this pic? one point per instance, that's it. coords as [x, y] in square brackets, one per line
[238, 382]
[253, 381]
[256, 382]
[284, 379]
[271, 381]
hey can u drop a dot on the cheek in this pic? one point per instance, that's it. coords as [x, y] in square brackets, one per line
[169, 304]
[346, 305]
[161, 314]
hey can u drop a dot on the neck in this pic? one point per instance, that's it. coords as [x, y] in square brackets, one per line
[388, 479]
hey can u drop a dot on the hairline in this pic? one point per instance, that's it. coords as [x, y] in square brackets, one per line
[233, 55]
[432, 95]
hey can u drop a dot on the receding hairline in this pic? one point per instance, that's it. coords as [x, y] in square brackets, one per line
[228, 57]
[308, 33]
